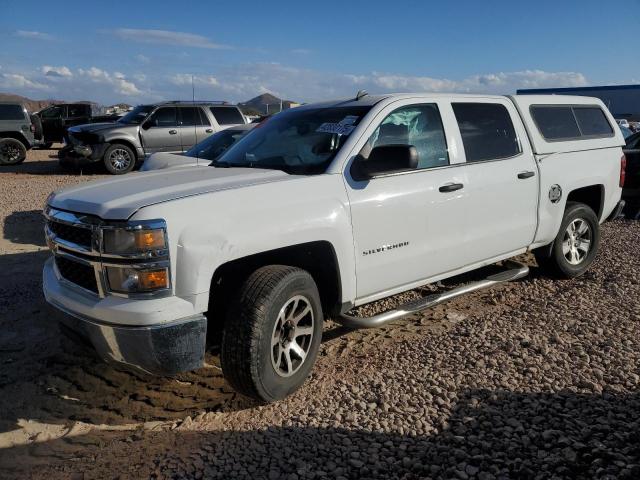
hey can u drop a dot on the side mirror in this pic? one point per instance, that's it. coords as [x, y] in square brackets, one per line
[146, 125]
[385, 159]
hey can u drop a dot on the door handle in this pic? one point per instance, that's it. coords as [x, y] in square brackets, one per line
[209, 130]
[451, 187]
[523, 175]
[172, 132]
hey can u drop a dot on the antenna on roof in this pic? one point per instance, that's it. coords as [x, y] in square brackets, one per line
[361, 93]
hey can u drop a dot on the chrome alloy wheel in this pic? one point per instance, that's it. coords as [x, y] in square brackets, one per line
[576, 243]
[292, 336]
[120, 159]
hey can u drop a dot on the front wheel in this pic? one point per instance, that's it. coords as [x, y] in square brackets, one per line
[12, 151]
[119, 159]
[272, 333]
[576, 245]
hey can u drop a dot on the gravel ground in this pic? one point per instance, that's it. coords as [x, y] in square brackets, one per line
[534, 379]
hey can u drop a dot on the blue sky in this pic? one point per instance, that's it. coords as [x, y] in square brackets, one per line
[148, 50]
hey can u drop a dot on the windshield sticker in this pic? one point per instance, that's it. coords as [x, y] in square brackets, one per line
[335, 128]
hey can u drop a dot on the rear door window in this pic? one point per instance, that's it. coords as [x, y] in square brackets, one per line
[11, 112]
[227, 115]
[189, 116]
[77, 111]
[487, 131]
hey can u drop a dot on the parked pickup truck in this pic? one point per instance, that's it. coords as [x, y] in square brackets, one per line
[321, 209]
[171, 127]
[56, 119]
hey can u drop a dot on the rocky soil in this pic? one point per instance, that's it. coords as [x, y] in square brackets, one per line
[539, 378]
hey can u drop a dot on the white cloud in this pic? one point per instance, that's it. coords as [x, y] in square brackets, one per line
[186, 78]
[50, 71]
[117, 80]
[33, 35]
[166, 37]
[18, 81]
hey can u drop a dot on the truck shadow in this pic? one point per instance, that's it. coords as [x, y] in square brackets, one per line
[486, 434]
[25, 228]
[51, 167]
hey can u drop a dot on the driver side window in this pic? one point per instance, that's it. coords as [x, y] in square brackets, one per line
[416, 125]
[164, 117]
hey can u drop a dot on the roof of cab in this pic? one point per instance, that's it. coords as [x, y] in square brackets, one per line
[370, 100]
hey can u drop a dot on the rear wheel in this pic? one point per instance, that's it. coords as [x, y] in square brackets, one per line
[576, 245]
[272, 333]
[12, 151]
[119, 159]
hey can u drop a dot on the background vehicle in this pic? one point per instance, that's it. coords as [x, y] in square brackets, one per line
[631, 189]
[623, 122]
[626, 132]
[202, 153]
[321, 209]
[56, 119]
[171, 127]
[17, 133]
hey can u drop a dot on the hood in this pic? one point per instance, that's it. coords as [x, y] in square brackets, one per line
[100, 127]
[119, 198]
[160, 161]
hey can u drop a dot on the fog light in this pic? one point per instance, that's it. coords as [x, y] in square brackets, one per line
[132, 280]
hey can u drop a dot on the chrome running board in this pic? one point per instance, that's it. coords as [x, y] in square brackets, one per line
[515, 271]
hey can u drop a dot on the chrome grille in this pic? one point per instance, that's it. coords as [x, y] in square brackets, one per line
[78, 273]
[73, 234]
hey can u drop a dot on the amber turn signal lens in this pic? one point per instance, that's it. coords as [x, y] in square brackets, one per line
[153, 279]
[149, 239]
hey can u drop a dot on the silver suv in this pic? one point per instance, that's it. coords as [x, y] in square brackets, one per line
[16, 133]
[172, 127]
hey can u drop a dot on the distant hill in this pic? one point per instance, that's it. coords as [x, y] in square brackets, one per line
[31, 105]
[264, 104]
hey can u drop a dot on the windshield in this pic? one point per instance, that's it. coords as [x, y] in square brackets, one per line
[298, 141]
[137, 115]
[216, 144]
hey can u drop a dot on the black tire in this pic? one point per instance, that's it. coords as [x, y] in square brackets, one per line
[248, 354]
[37, 126]
[555, 261]
[12, 151]
[118, 152]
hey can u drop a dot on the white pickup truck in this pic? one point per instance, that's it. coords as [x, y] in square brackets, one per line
[321, 209]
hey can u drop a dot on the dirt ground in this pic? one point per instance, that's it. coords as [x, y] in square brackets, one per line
[504, 383]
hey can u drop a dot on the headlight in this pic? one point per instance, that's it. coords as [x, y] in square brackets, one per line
[132, 280]
[133, 241]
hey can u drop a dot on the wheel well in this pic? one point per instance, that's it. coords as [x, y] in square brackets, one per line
[126, 143]
[17, 136]
[592, 196]
[317, 258]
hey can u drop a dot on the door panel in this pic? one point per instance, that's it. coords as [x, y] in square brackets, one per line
[194, 126]
[502, 180]
[405, 229]
[160, 132]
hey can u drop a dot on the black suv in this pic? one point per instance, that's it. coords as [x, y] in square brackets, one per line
[17, 133]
